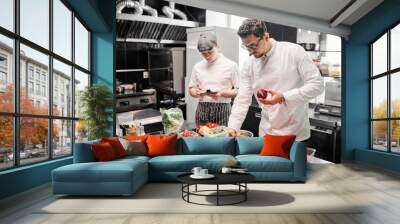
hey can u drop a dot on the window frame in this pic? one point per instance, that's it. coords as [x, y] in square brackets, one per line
[388, 74]
[16, 114]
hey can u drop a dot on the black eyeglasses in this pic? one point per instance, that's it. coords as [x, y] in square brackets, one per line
[252, 47]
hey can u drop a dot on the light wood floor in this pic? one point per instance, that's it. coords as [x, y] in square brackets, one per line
[377, 188]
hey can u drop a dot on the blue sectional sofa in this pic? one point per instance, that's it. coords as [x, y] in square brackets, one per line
[125, 176]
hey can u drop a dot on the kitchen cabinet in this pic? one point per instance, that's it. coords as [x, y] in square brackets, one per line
[282, 33]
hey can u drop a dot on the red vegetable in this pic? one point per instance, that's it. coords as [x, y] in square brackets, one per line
[211, 125]
[262, 93]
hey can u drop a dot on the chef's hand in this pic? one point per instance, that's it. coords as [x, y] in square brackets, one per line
[231, 132]
[274, 98]
[215, 96]
[196, 92]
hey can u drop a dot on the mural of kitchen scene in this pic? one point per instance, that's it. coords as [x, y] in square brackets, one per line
[157, 49]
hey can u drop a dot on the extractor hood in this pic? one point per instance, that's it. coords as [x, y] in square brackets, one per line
[134, 27]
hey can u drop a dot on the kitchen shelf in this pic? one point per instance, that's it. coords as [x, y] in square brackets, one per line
[131, 70]
[150, 41]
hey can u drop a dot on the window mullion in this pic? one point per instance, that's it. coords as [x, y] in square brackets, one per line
[73, 81]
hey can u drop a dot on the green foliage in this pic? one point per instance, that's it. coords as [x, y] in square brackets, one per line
[96, 102]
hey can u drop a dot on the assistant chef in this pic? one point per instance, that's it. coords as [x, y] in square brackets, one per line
[214, 81]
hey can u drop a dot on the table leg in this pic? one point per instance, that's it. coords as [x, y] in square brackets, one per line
[245, 191]
[217, 194]
[196, 188]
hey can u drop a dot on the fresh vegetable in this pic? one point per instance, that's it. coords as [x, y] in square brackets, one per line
[262, 93]
[220, 131]
[172, 119]
[212, 125]
[188, 133]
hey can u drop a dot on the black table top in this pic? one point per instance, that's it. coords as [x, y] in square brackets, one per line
[220, 178]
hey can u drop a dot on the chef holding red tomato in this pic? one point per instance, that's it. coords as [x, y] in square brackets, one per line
[283, 78]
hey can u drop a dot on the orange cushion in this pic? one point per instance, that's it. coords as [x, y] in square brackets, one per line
[159, 145]
[103, 152]
[277, 145]
[116, 145]
[136, 137]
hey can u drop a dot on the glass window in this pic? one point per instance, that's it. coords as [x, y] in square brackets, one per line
[43, 90]
[3, 60]
[62, 72]
[7, 14]
[6, 142]
[379, 56]
[395, 47]
[81, 131]
[34, 21]
[30, 87]
[379, 135]
[62, 138]
[379, 98]
[81, 45]
[62, 29]
[395, 95]
[6, 74]
[40, 62]
[30, 72]
[34, 80]
[81, 81]
[38, 89]
[33, 139]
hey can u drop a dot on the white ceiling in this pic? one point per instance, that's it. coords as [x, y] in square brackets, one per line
[315, 15]
[320, 9]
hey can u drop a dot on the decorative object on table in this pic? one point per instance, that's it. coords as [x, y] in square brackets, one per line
[200, 173]
[226, 170]
[96, 102]
[172, 120]
[231, 163]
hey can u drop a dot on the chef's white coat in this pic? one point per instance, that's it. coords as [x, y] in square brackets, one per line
[288, 69]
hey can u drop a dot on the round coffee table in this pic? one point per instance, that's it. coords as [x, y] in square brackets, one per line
[238, 179]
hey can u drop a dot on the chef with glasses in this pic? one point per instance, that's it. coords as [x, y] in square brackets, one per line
[282, 77]
[214, 81]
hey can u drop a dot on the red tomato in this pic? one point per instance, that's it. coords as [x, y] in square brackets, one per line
[262, 93]
[211, 125]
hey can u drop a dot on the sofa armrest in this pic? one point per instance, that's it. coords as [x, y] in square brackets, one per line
[298, 155]
[83, 152]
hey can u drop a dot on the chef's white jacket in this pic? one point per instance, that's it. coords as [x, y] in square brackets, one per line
[288, 69]
[222, 74]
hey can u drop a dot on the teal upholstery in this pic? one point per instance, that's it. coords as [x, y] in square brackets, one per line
[126, 175]
[184, 163]
[83, 152]
[119, 177]
[259, 163]
[251, 145]
[199, 145]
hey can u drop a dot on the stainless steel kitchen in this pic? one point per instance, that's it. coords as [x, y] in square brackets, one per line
[199, 111]
[157, 50]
